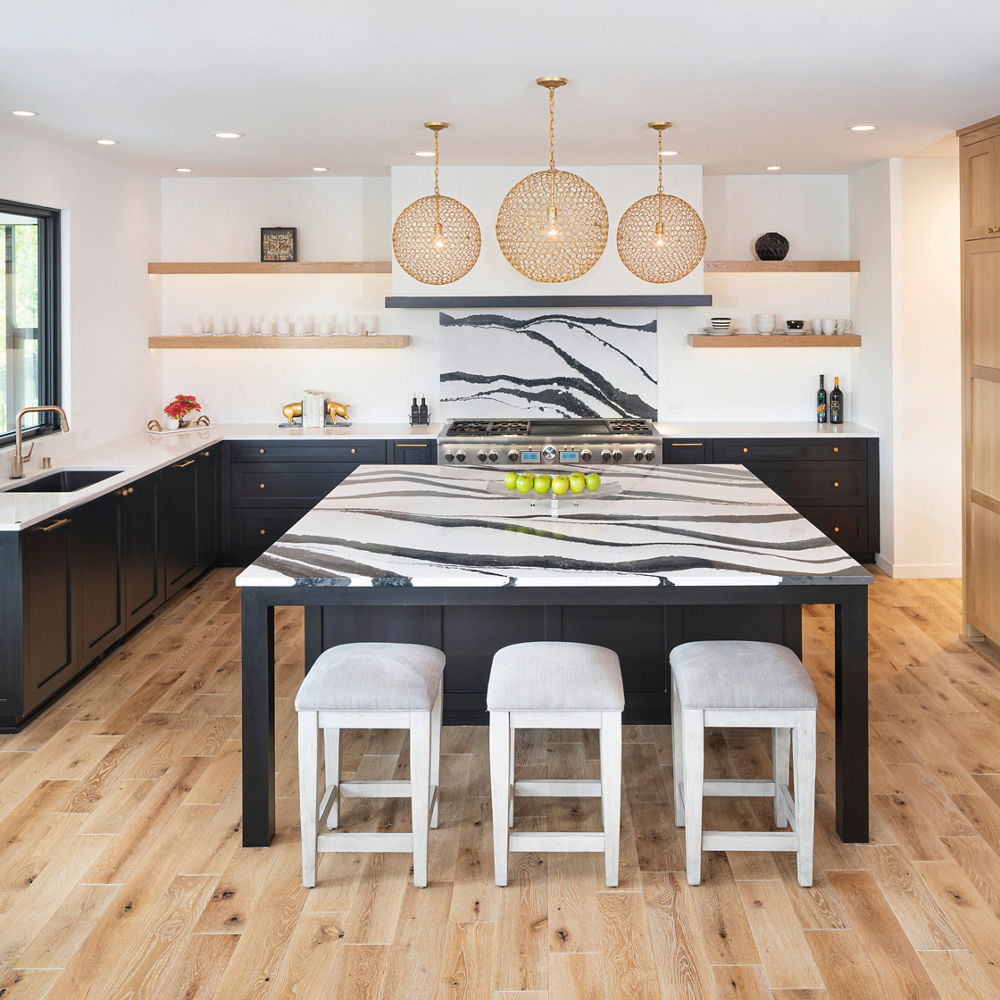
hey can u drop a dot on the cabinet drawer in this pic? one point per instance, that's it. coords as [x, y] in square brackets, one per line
[413, 452]
[299, 484]
[254, 530]
[847, 526]
[693, 452]
[815, 484]
[785, 449]
[308, 451]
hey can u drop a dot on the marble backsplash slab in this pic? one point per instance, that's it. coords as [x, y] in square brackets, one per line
[525, 363]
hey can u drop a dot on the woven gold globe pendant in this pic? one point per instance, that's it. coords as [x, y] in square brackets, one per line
[436, 239]
[523, 234]
[666, 256]
[552, 226]
[661, 238]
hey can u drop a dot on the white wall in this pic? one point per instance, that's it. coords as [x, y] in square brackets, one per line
[110, 228]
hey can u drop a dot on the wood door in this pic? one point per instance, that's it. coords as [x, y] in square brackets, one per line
[981, 400]
[980, 186]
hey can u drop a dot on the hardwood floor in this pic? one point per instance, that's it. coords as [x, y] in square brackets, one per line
[122, 874]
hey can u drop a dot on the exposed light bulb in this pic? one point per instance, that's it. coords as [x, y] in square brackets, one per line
[552, 227]
[437, 239]
[659, 240]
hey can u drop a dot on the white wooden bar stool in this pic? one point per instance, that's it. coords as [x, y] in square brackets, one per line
[744, 684]
[369, 685]
[555, 685]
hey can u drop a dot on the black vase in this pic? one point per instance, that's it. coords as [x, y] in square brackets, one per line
[771, 246]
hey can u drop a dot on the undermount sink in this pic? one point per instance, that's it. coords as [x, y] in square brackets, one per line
[65, 481]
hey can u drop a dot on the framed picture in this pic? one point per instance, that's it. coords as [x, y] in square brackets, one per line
[278, 244]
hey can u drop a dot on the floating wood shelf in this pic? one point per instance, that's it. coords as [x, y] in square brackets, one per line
[281, 343]
[534, 301]
[774, 340]
[270, 267]
[780, 266]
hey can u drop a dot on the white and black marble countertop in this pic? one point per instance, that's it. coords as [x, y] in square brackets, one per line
[435, 526]
[760, 429]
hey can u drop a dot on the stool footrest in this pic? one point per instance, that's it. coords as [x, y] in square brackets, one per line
[574, 841]
[558, 787]
[400, 843]
[375, 789]
[733, 840]
[738, 786]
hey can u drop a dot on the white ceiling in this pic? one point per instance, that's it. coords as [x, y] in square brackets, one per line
[346, 84]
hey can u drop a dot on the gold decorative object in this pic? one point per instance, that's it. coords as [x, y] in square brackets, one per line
[552, 226]
[293, 412]
[661, 237]
[436, 239]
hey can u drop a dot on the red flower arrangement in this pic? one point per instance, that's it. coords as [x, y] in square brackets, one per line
[180, 406]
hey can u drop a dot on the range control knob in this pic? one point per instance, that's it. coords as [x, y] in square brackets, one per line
[606, 455]
[492, 456]
[616, 455]
[460, 456]
[481, 456]
[650, 455]
[513, 455]
[549, 453]
[449, 456]
[638, 454]
[585, 455]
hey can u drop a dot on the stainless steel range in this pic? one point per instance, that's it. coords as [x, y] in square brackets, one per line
[549, 441]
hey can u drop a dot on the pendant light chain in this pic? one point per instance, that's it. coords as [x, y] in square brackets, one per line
[659, 185]
[552, 149]
[437, 193]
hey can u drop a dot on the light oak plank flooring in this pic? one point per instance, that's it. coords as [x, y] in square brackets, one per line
[122, 872]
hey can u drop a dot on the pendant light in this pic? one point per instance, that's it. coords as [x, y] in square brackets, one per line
[661, 237]
[552, 226]
[436, 239]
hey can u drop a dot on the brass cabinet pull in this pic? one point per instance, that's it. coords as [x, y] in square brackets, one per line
[264, 532]
[688, 444]
[262, 485]
[401, 445]
[184, 465]
[127, 492]
[835, 529]
[205, 454]
[745, 450]
[354, 451]
[836, 483]
[836, 449]
[261, 451]
[61, 523]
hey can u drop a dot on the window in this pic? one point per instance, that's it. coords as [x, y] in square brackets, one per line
[29, 315]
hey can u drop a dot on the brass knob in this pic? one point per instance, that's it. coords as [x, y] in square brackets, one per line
[205, 454]
[745, 450]
[261, 451]
[835, 484]
[836, 449]
[262, 485]
[263, 532]
[835, 530]
[354, 451]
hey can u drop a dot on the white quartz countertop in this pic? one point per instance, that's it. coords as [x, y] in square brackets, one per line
[763, 429]
[138, 455]
[437, 526]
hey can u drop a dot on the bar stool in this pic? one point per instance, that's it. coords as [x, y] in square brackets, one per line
[369, 685]
[555, 685]
[744, 684]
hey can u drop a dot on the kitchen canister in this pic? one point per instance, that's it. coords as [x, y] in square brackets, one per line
[313, 408]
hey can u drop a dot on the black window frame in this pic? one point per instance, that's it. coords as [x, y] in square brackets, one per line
[49, 338]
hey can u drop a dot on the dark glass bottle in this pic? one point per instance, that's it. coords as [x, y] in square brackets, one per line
[414, 412]
[836, 403]
[425, 417]
[821, 403]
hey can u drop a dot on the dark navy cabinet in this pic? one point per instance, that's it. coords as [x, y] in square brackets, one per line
[410, 452]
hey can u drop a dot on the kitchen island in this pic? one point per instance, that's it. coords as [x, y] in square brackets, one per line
[429, 554]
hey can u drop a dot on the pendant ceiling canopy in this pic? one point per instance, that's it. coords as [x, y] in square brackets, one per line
[661, 238]
[436, 239]
[552, 225]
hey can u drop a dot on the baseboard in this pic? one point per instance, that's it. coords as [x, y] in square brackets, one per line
[918, 571]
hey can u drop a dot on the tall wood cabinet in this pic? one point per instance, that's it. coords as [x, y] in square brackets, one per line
[980, 208]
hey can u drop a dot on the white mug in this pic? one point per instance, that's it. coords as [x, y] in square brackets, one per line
[845, 326]
[763, 323]
[830, 326]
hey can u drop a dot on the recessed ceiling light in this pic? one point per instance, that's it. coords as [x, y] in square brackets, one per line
[320, 170]
[863, 128]
[669, 152]
[425, 152]
[229, 135]
[24, 114]
[107, 142]
[183, 170]
[774, 168]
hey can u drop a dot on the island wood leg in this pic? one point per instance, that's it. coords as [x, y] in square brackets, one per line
[258, 720]
[851, 714]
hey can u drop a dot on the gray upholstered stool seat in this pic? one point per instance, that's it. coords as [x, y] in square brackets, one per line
[372, 675]
[741, 675]
[744, 684]
[556, 676]
[555, 685]
[369, 685]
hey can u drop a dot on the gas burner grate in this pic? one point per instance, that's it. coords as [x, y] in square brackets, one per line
[630, 425]
[507, 428]
[467, 428]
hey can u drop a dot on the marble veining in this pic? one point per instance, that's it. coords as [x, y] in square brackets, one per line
[435, 526]
[549, 364]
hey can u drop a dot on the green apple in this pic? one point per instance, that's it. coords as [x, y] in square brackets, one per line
[560, 484]
[543, 484]
[577, 482]
[593, 481]
[524, 484]
[510, 480]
